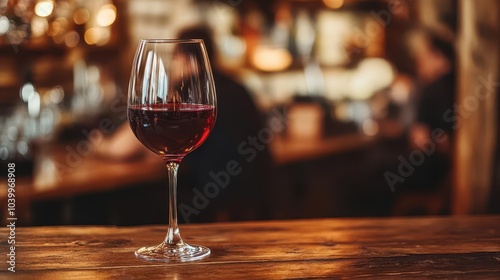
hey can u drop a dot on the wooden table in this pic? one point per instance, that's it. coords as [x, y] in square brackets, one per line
[362, 248]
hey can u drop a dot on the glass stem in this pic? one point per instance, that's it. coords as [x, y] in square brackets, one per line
[173, 235]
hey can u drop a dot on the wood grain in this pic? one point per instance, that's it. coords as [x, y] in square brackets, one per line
[440, 247]
[478, 73]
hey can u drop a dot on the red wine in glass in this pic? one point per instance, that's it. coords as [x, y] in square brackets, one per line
[172, 107]
[172, 128]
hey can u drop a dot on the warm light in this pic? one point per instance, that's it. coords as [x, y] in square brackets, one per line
[62, 21]
[401, 89]
[4, 25]
[306, 121]
[370, 127]
[92, 35]
[57, 27]
[371, 75]
[56, 95]
[81, 16]
[105, 36]
[333, 4]
[106, 15]
[44, 8]
[38, 26]
[59, 38]
[72, 39]
[97, 36]
[271, 59]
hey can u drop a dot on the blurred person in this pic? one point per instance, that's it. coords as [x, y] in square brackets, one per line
[238, 118]
[435, 68]
[434, 58]
[241, 196]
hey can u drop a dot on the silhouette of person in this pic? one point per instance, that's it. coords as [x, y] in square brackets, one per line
[430, 136]
[434, 62]
[243, 195]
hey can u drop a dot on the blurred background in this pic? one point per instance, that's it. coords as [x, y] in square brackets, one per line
[331, 108]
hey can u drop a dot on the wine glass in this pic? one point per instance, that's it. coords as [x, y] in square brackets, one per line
[172, 110]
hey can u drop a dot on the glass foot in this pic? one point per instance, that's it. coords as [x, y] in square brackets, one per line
[173, 252]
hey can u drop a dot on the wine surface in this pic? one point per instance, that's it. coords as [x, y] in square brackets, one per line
[172, 128]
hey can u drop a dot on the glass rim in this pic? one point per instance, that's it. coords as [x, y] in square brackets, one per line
[157, 40]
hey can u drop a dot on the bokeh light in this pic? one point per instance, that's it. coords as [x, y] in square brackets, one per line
[81, 16]
[26, 91]
[44, 8]
[4, 25]
[271, 59]
[370, 127]
[92, 35]
[106, 15]
[39, 26]
[333, 4]
[71, 39]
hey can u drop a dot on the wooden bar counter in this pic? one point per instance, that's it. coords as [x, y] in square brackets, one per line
[457, 247]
